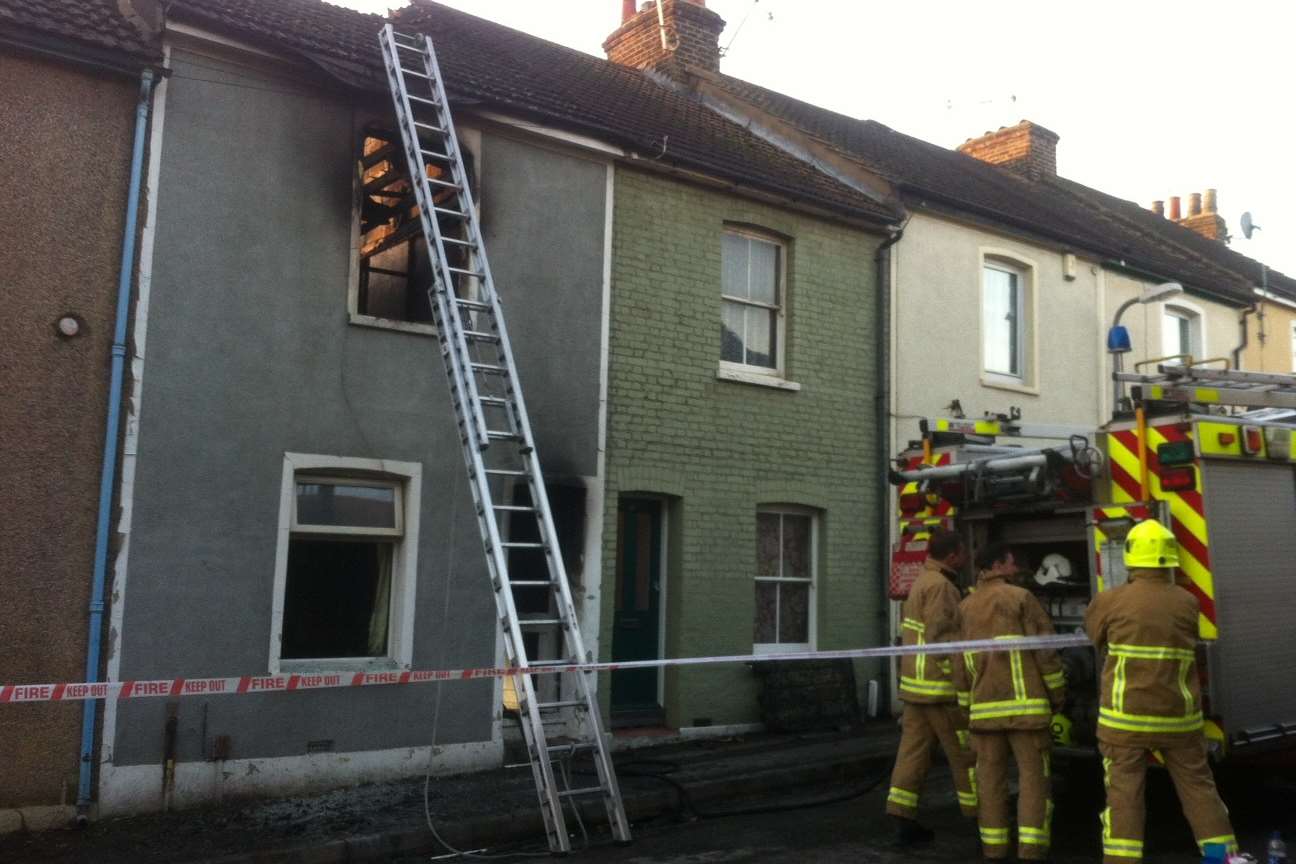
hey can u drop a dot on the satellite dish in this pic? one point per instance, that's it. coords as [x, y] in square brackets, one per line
[1247, 225]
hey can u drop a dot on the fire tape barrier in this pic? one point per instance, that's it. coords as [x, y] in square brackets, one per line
[283, 683]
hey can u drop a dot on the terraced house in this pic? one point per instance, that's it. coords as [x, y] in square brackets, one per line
[694, 317]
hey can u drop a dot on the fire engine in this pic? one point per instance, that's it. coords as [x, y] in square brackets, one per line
[1209, 452]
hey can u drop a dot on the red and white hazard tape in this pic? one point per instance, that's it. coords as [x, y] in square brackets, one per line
[246, 684]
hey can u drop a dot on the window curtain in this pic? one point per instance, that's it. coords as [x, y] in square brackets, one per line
[381, 614]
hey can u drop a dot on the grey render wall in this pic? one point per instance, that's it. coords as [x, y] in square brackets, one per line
[542, 217]
[250, 355]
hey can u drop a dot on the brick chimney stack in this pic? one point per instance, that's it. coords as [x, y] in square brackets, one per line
[692, 35]
[1174, 208]
[1027, 149]
[1203, 216]
[1158, 207]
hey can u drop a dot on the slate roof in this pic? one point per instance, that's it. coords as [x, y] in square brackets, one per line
[96, 24]
[1060, 209]
[498, 67]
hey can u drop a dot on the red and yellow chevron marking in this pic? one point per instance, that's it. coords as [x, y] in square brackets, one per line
[1187, 511]
[938, 509]
[1111, 514]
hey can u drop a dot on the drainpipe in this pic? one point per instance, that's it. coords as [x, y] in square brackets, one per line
[882, 351]
[1242, 344]
[108, 478]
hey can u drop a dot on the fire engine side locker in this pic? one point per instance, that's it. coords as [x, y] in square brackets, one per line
[1251, 509]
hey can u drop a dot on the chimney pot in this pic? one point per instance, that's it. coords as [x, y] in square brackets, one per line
[627, 10]
[1209, 202]
[1174, 208]
[1158, 207]
[1194, 204]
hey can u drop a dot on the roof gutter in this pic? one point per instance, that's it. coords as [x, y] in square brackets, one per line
[78, 55]
[108, 477]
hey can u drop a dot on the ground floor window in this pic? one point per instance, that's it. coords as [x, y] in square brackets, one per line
[344, 582]
[786, 574]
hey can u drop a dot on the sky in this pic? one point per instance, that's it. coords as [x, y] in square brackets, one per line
[1151, 98]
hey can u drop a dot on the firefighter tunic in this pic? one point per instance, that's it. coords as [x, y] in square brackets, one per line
[931, 714]
[1011, 697]
[1151, 702]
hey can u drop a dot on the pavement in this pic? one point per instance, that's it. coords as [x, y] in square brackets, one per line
[761, 799]
[385, 822]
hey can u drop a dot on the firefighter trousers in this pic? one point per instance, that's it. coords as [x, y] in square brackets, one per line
[1124, 773]
[922, 726]
[1032, 751]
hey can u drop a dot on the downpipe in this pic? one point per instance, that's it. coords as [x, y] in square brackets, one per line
[882, 260]
[108, 476]
[1245, 336]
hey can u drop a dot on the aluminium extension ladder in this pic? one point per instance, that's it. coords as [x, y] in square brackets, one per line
[495, 432]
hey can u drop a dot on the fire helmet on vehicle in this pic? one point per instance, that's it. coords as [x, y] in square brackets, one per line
[1054, 568]
[1150, 544]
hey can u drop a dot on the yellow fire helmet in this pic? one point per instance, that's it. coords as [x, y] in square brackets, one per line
[1150, 544]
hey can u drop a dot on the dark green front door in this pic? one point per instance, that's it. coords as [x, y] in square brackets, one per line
[636, 622]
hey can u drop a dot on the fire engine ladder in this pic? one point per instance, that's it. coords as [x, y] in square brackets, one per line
[495, 432]
[1194, 384]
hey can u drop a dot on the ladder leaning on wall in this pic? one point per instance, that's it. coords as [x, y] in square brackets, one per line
[495, 432]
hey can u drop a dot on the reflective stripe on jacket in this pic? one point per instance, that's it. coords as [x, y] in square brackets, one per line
[1151, 695]
[1007, 689]
[929, 615]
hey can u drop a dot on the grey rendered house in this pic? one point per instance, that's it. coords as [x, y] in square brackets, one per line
[293, 498]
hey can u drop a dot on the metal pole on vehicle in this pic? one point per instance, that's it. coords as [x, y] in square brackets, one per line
[1118, 338]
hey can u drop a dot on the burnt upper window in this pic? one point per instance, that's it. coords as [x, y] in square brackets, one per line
[395, 273]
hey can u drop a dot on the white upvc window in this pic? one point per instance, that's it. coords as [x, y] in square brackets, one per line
[1181, 332]
[1004, 321]
[753, 305]
[787, 563]
[345, 566]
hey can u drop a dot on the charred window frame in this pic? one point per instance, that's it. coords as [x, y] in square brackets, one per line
[394, 274]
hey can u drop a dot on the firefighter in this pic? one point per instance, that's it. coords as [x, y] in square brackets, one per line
[931, 712]
[1011, 697]
[1151, 697]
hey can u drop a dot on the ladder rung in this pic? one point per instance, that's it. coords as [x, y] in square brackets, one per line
[499, 435]
[445, 157]
[566, 703]
[587, 790]
[516, 508]
[458, 242]
[428, 126]
[473, 304]
[424, 101]
[490, 368]
[473, 273]
[491, 400]
[531, 583]
[506, 472]
[542, 622]
[445, 184]
[571, 747]
[456, 213]
[423, 75]
[521, 545]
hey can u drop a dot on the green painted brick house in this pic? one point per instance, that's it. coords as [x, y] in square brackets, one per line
[741, 457]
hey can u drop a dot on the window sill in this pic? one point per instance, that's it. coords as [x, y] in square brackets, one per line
[342, 664]
[760, 379]
[1007, 382]
[783, 648]
[391, 324]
